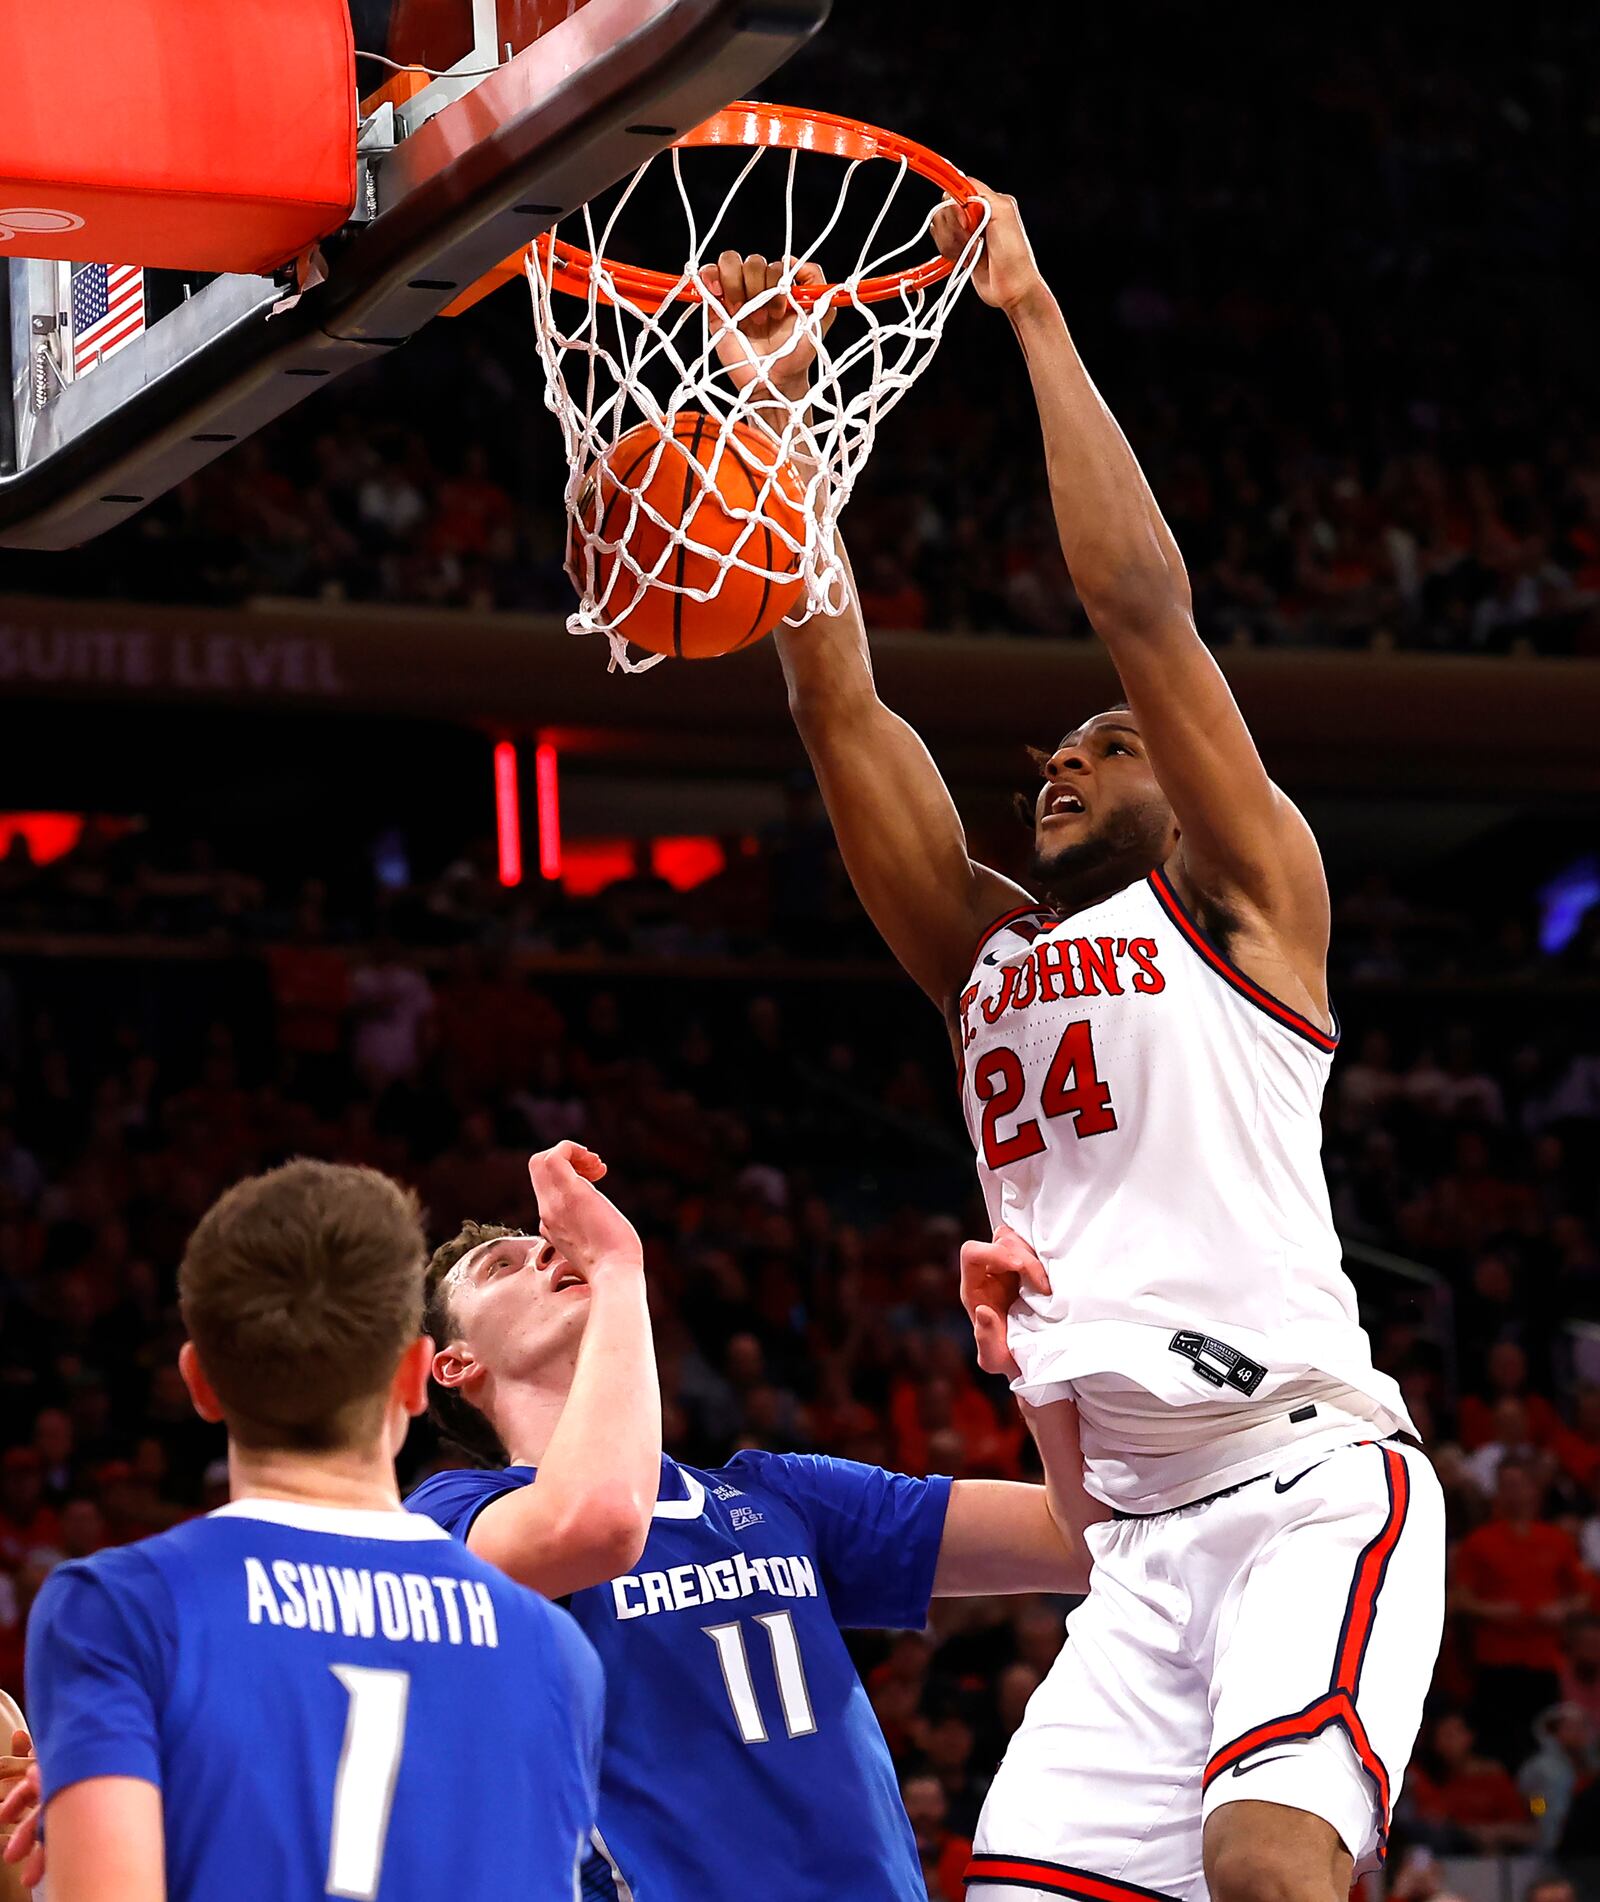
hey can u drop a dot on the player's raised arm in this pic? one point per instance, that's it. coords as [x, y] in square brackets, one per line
[587, 1515]
[897, 826]
[1243, 845]
[898, 830]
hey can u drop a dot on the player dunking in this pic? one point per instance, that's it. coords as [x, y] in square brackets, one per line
[295, 1695]
[1143, 1035]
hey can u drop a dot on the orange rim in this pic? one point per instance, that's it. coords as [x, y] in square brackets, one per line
[795, 129]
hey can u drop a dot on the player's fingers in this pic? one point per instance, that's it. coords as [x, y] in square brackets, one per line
[18, 1801]
[1020, 1259]
[949, 228]
[760, 310]
[730, 269]
[1032, 1273]
[942, 242]
[813, 277]
[19, 1821]
[977, 1266]
[21, 1743]
[994, 1357]
[551, 1165]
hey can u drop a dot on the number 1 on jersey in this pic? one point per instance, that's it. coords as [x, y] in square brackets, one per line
[369, 1764]
[1072, 1087]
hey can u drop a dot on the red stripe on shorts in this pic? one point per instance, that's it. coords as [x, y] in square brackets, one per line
[1058, 1878]
[1370, 1569]
[1355, 1633]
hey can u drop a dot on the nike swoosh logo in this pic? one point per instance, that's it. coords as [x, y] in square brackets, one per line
[1283, 1485]
[1244, 1769]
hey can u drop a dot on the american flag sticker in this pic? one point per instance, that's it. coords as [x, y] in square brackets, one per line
[107, 312]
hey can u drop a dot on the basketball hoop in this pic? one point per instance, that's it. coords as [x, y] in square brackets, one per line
[641, 348]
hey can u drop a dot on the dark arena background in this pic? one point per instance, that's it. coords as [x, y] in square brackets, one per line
[320, 835]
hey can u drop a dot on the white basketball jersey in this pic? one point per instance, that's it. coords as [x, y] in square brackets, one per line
[1149, 1120]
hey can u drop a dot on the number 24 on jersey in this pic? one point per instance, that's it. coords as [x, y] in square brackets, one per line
[1072, 1087]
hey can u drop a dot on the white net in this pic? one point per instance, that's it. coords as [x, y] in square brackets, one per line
[628, 360]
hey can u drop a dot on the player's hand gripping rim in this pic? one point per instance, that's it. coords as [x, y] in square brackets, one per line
[763, 336]
[993, 1275]
[1007, 276]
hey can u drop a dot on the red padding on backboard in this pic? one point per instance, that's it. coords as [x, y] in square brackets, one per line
[199, 135]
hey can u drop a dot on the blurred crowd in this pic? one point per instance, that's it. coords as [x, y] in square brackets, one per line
[779, 891]
[1343, 321]
[803, 1288]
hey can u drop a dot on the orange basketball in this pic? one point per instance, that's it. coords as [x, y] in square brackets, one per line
[657, 617]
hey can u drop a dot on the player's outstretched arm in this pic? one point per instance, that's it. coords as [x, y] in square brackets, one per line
[1002, 1536]
[899, 833]
[106, 1840]
[587, 1515]
[897, 826]
[1242, 840]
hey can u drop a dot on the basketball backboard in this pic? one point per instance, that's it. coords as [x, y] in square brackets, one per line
[122, 383]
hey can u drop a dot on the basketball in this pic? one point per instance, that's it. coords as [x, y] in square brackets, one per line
[662, 615]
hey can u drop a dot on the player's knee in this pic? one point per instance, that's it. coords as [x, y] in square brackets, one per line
[1257, 1859]
[1240, 1873]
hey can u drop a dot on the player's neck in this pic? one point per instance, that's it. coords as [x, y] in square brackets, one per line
[1079, 882]
[526, 1417]
[359, 1479]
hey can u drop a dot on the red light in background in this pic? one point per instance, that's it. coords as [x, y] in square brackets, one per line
[588, 866]
[685, 863]
[50, 835]
[546, 775]
[507, 813]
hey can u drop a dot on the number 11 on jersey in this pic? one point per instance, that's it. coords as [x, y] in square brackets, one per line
[787, 1664]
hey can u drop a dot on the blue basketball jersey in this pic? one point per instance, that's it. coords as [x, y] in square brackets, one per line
[742, 1757]
[333, 1703]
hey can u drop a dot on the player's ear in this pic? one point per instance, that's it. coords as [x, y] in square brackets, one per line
[451, 1365]
[201, 1391]
[411, 1376]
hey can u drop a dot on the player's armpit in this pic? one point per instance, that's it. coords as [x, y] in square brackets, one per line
[106, 1840]
[1002, 1536]
[898, 830]
[1243, 842]
[1241, 838]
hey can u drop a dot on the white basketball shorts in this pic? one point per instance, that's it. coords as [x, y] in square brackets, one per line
[1273, 1643]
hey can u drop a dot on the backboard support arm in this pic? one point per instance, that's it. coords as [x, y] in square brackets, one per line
[487, 173]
